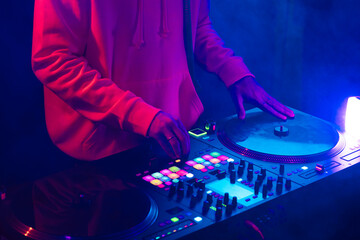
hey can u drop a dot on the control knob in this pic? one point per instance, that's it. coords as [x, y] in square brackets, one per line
[288, 184]
[206, 207]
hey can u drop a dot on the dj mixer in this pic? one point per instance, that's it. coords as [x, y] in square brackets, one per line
[239, 176]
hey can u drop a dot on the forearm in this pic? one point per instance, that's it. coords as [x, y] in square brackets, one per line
[211, 52]
[59, 43]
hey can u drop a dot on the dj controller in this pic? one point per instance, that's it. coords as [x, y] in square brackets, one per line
[259, 178]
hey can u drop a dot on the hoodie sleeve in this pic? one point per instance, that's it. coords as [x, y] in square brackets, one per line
[210, 50]
[60, 34]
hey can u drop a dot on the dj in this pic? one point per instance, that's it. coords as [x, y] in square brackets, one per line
[115, 73]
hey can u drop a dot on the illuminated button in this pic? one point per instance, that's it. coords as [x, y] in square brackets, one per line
[320, 168]
[174, 169]
[207, 163]
[204, 170]
[304, 168]
[165, 179]
[198, 219]
[157, 175]
[174, 219]
[199, 160]
[175, 180]
[148, 178]
[168, 183]
[191, 163]
[214, 160]
[217, 165]
[198, 166]
[222, 157]
[165, 172]
[210, 167]
[215, 154]
[161, 186]
[207, 157]
[181, 173]
[230, 160]
[173, 176]
[189, 175]
[156, 182]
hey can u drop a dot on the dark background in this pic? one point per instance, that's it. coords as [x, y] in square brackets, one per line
[306, 53]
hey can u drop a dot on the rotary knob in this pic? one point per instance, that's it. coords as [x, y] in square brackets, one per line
[193, 201]
[269, 183]
[200, 193]
[279, 188]
[206, 207]
[228, 209]
[226, 198]
[190, 190]
[264, 191]
[231, 166]
[232, 176]
[209, 198]
[250, 174]
[218, 213]
[234, 202]
[241, 168]
[288, 184]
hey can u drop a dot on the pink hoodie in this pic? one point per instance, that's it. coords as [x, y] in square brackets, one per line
[109, 66]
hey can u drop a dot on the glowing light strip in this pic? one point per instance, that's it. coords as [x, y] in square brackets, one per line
[352, 118]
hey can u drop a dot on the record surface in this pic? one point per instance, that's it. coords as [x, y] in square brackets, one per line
[302, 139]
[80, 203]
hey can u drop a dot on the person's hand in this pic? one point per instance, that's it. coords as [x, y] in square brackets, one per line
[248, 90]
[171, 134]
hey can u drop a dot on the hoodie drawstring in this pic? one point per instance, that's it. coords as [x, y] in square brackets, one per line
[138, 38]
[164, 30]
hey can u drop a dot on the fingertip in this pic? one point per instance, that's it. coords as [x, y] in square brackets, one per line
[241, 115]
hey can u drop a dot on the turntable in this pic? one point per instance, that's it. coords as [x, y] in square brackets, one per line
[300, 140]
[223, 191]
